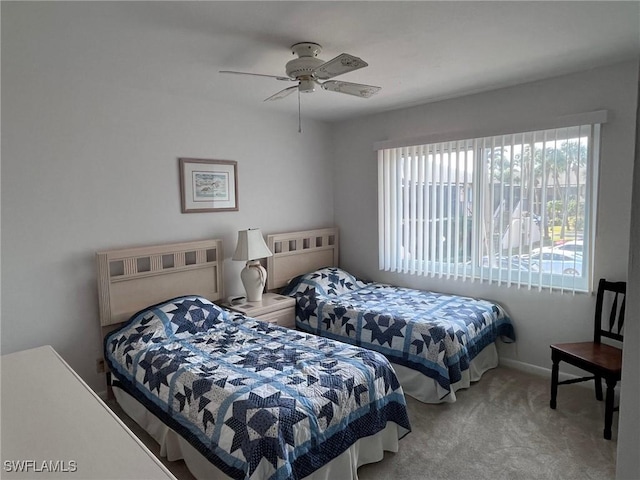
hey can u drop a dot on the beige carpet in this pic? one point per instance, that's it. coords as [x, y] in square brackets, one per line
[500, 428]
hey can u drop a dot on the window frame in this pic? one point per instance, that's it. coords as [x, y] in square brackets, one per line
[388, 178]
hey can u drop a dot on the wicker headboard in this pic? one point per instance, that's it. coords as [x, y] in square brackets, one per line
[296, 253]
[131, 279]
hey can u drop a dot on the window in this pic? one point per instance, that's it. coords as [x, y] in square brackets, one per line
[513, 209]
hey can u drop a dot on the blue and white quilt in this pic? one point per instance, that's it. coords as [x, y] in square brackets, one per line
[433, 333]
[259, 401]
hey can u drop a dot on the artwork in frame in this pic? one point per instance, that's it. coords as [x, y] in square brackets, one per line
[208, 185]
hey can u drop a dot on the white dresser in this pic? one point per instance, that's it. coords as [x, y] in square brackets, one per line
[54, 426]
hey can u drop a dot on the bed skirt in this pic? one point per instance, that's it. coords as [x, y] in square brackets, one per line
[427, 390]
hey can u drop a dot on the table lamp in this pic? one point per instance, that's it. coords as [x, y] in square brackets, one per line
[251, 248]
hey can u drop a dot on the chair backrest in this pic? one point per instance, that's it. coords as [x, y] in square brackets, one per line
[610, 306]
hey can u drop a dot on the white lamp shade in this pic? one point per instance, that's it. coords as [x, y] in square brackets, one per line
[251, 245]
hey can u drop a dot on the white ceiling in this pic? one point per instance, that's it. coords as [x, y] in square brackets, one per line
[418, 51]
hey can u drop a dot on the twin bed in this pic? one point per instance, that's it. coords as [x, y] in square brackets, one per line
[239, 398]
[232, 396]
[437, 343]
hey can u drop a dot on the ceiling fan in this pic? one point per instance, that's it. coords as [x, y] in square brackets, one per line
[308, 71]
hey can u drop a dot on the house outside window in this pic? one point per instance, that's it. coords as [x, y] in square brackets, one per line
[514, 209]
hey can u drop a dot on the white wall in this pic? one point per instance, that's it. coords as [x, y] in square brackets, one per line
[540, 318]
[92, 165]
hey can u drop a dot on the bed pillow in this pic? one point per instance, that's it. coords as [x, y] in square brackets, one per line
[327, 281]
[186, 316]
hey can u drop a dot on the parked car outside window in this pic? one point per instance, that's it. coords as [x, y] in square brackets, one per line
[575, 246]
[513, 263]
[553, 260]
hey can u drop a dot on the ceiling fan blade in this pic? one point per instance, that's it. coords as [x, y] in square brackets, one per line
[343, 63]
[357, 89]
[282, 93]
[277, 77]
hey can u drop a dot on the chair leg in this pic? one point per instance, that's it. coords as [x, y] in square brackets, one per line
[554, 379]
[608, 407]
[598, 381]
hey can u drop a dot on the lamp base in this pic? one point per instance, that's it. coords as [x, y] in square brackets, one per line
[254, 277]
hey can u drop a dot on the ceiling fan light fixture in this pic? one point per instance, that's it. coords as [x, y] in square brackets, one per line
[307, 85]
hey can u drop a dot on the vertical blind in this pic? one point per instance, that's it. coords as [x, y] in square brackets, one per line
[513, 209]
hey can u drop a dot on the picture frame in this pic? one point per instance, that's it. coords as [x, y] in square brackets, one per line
[208, 185]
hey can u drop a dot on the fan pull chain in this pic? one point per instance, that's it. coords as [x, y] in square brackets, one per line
[299, 114]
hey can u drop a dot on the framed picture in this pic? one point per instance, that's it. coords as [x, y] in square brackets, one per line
[208, 185]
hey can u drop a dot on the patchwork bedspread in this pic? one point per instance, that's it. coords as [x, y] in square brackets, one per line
[258, 400]
[434, 333]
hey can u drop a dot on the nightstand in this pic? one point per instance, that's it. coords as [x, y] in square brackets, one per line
[273, 308]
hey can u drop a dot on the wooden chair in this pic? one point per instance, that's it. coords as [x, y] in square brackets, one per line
[599, 359]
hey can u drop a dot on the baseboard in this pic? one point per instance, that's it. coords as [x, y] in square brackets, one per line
[540, 371]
